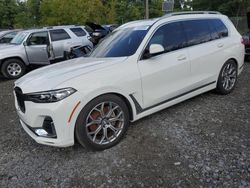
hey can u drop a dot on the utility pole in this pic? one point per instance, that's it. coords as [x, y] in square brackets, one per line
[146, 9]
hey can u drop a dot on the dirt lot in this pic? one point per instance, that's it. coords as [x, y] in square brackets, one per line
[203, 142]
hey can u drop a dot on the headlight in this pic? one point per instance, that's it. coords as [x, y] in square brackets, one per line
[50, 96]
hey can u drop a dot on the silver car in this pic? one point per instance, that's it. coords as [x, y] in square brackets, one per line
[40, 47]
[7, 35]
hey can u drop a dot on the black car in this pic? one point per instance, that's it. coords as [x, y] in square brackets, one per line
[98, 32]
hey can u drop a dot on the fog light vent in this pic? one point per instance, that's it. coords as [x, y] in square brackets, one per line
[48, 126]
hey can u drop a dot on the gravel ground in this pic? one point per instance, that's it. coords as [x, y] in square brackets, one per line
[202, 142]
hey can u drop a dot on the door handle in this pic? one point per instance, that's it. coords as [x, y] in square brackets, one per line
[181, 58]
[220, 45]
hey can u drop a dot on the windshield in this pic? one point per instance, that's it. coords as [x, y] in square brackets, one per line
[18, 39]
[121, 43]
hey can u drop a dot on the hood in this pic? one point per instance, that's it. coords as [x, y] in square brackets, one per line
[6, 47]
[49, 77]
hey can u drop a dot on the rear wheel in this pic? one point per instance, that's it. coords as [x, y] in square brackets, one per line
[13, 68]
[247, 58]
[102, 123]
[227, 78]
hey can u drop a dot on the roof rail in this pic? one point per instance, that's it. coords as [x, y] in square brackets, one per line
[190, 12]
[59, 26]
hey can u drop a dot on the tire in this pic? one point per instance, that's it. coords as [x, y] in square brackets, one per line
[13, 68]
[102, 123]
[247, 58]
[227, 78]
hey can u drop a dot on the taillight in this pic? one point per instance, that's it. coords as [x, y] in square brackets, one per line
[242, 40]
[245, 40]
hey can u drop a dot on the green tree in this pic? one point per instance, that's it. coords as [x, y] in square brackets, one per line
[22, 19]
[8, 11]
[33, 7]
[155, 9]
[34, 13]
[111, 13]
[231, 8]
[56, 12]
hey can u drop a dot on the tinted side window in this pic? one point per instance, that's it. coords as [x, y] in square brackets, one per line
[78, 31]
[40, 38]
[197, 31]
[170, 36]
[59, 34]
[219, 29]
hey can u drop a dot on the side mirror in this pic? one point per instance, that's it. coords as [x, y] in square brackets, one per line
[25, 43]
[156, 49]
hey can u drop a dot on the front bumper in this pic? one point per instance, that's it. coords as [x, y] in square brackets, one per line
[60, 112]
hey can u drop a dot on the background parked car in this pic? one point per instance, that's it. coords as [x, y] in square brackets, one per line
[97, 31]
[246, 38]
[246, 42]
[8, 35]
[41, 47]
[111, 27]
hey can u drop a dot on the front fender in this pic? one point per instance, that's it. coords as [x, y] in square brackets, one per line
[108, 90]
[18, 56]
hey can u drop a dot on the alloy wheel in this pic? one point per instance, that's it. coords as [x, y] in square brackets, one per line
[105, 123]
[14, 69]
[229, 76]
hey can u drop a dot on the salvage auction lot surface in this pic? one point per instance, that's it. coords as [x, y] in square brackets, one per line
[203, 141]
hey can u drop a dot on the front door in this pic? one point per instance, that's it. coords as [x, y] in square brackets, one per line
[37, 48]
[166, 75]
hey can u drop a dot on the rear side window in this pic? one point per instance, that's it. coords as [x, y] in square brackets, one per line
[219, 30]
[170, 36]
[78, 31]
[197, 31]
[59, 34]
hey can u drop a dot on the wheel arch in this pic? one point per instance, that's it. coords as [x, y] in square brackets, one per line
[14, 57]
[235, 60]
[128, 104]
[123, 97]
[226, 60]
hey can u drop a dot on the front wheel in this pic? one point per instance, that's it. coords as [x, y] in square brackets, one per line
[227, 78]
[102, 122]
[13, 68]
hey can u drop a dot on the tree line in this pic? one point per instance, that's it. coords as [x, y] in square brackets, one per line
[35, 13]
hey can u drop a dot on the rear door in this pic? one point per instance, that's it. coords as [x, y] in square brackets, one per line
[167, 75]
[60, 40]
[81, 37]
[205, 50]
[37, 48]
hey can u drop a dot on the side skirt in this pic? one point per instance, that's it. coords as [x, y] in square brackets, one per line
[140, 110]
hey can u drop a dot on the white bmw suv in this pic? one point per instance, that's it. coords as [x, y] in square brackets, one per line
[140, 68]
